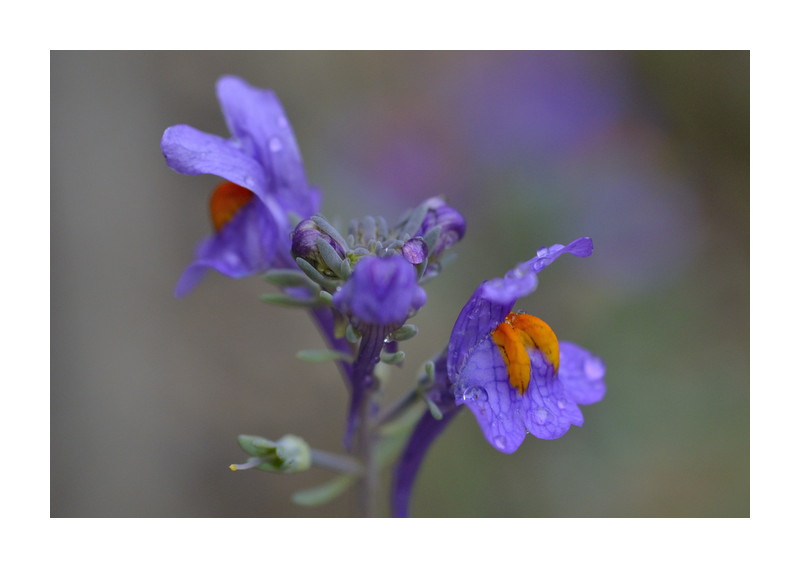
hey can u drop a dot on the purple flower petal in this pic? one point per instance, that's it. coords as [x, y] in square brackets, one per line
[381, 291]
[546, 255]
[191, 152]
[244, 245]
[582, 374]
[259, 125]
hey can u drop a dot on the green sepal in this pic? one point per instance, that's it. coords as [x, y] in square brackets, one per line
[393, 358]
[329, 284]
[290, 454]
[324, 493]
[330, 230]
[289, 301]
[351, 334]
[256, 445]
[322, 355]
[434, 409]
[415, 219]
[431, 237]
[405, 332]
[290, 278]
[330, 257]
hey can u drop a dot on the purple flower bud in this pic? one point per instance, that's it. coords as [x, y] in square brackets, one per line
[381, 291]
[415, 250]
[450, 222]
[305, 244]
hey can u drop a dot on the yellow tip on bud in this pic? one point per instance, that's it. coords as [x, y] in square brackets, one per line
[233, 467]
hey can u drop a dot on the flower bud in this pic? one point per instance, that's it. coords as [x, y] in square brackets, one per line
[314, 245]
[382, 291]
[450, 222]
[288, 455]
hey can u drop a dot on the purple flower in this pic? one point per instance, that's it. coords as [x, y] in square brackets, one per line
[514, 382]
[510, 370]
[381, 291]
[260, 160]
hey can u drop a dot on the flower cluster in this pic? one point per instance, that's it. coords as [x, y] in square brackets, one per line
[361, 286]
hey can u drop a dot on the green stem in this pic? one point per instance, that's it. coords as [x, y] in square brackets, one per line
[336, 462]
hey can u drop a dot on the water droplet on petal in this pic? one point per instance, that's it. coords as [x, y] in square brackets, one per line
[475, 393]
[540, 415]
[282, 122]
[562, 403]
[275, 145]
[594, 368]
[500, 442]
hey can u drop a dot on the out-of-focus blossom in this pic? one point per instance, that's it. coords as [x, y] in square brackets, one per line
[381, 291]
[265, 183]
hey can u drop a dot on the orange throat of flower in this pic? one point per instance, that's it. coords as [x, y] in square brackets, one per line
[227, 199]
[515, 336]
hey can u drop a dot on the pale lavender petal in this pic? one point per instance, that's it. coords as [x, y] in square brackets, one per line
[258, 122]
[546, 255]
[192, 152]
[547, 408]
[246, 244]
[582, 374]
[483, 386]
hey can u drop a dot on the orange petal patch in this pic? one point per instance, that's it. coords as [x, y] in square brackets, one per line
[227, 199]
[514, 336]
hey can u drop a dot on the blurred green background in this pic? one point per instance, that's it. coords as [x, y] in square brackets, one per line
[648, 153]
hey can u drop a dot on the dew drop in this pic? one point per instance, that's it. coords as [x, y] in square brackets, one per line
[275, 145]
[500, 442]
[562, 403]
[475, 393]
[594, 368]
[282, 122]
[540, 415]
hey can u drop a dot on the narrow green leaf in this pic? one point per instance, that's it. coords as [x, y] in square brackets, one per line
[322, 355]
[323, 493]
[288, 301]
[285, 277]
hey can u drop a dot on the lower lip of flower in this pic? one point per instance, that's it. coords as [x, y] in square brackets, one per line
[227, 199]
[515, 336]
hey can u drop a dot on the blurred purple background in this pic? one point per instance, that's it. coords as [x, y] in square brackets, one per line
[648, 153]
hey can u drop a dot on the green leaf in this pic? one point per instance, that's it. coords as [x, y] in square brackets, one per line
[322, 355]
[288, 301]
[323, 493]
[285, 277]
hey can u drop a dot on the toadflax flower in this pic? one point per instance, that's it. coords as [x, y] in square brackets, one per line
[265, 183]
[509, 369]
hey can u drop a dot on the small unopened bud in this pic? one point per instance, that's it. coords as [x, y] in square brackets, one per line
[288, 455]
[311, 242]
